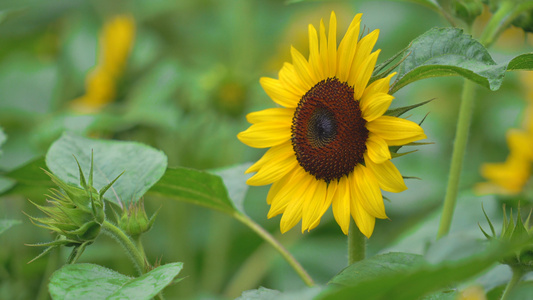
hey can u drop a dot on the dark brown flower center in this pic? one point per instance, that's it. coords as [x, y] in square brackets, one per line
[328, 131]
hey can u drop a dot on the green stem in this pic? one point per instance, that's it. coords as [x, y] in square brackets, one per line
[356, 244]
[501, 19]
[127, 243]
[274, 243]
[517, 275]
[459, 146]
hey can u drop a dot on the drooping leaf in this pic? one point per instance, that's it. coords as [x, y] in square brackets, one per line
[6, 224]
[143, 165]
[194, 186]
[90, 281]
[450, 52]
[379, 265]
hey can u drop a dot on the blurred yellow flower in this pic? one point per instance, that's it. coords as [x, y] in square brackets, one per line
[116, 41]
[510, 177]
[472, 293]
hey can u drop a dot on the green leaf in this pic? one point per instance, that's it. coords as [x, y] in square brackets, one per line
[450, 52]
[379, 265]
[268, 294]
[142, 164]
[3, 138]
[6, 224]
[423, 279]
[90, 281]
[235, 181]
[196, 187]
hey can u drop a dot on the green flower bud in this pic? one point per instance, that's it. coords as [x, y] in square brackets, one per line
[75, 214]
[524, 21]
[518, 231]
[134, 220]
[467, 10]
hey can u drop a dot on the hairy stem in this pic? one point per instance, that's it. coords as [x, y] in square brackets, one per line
[123, 239]
[517, 275]
[274, 243]
[459, 147]
[356, 244]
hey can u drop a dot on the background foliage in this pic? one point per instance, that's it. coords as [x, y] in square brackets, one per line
[190, 79]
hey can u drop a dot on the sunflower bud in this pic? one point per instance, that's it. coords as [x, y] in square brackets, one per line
[518, 231]
[134, 220]
[467, 10]
[76, 214]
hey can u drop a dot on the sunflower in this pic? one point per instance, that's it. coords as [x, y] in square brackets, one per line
[329, 141]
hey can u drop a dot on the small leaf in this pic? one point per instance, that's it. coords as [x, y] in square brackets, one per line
[377, 266]
[450, 52]
[6, 224]
[143, 165]
[194, 186]
[396, 112]
[89, 281]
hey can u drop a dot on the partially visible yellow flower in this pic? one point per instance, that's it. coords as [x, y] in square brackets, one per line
[329, 138]
[473, 292]
[116, 41]
[510, 177]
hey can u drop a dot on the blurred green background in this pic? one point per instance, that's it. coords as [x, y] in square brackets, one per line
[191, 77]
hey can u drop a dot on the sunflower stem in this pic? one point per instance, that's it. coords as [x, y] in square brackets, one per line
[126, 242]
[517, 275]
[459, 147]
[274, 243]
[356, 244]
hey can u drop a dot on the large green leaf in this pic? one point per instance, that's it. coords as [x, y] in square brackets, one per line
[6, 224]
[268, 294]
[379, 265]
[142, 164]
[90, 281]
[423, 279]
[194, 186]
[235, 181]
[28, 180]
[450, 52]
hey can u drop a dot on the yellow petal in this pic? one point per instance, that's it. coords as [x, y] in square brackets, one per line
[265, 134]
[341, 205]
[324, 49]
[396, 131]
[278, 93]
[277, 114]
[377, 148]
[314, 56]
[332, 45]
[292, 215]
[387, 175]
[278, 185]
[291, 81]
[520, 143]
[273, 170]
[347, 49]
[365, 188]
[291, 191]
[315, 199]
[364, 221]
[379, 86]
[375, 106]
[330, 192]
[284, 150]
[302, 68]
[365, 70]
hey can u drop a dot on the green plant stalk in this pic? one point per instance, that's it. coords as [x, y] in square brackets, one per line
[459, 147]
[499, 21]
[127, 244]
[272, 241]
[356, 244]
[517, 275]
[216, 254]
